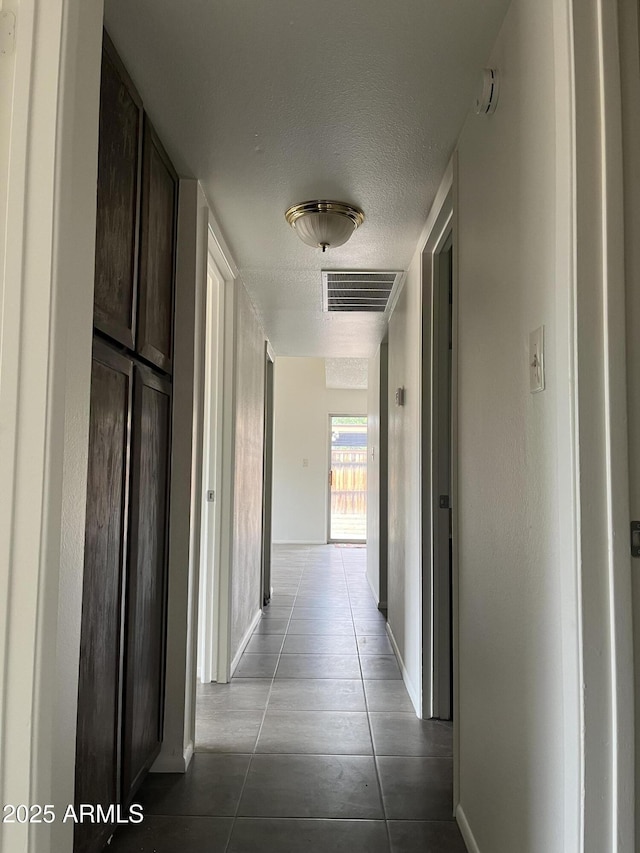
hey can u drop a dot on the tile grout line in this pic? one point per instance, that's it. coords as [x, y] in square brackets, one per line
[304, 572]
[312, 577]
[366, 705]
[266, 705]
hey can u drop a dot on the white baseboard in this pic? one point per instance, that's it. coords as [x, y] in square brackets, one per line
[173, 763]
[414, 694]
[465, 829]
[374, 591]
[299, 542]
[243, 643]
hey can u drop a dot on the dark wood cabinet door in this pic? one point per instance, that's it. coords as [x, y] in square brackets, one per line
[154, 339]
[118, 213]
[99, 689]
[146, 593]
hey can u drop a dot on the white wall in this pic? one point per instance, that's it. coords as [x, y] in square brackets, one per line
[246, 591]
[45, 335]
[544, 728]
[302, 405]
[7, 67]
[404, 548]
[514, 757]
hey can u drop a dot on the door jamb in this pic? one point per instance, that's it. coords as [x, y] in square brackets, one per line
[441, 224]
[211, 475]
[214, 253]
[267, 474]
[440, 234]
[331, 541]
[441, 707]
[589, 38]
[225, 451]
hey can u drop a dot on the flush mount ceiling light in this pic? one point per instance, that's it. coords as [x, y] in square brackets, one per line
[324, 224]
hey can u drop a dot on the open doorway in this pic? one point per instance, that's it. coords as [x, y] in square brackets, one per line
[442, 456]
[347, 478]
[209, 583]
[439, 467]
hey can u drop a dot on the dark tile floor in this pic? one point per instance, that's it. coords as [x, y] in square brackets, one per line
[314, 746]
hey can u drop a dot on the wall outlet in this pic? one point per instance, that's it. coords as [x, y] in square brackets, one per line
[305, 463]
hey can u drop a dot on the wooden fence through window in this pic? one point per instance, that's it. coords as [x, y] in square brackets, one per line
[349, 492]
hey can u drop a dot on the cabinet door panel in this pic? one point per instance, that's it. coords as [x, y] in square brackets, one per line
[118, 207]
[98, 738]
[146, 594]
[157, 259]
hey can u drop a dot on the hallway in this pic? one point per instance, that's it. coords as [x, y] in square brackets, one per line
[314, 745]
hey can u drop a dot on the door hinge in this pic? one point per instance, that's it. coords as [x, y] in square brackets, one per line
[211, 496]
[444, 502]
[635, 538]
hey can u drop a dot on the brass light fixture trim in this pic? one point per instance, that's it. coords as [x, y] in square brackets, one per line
[324, 224]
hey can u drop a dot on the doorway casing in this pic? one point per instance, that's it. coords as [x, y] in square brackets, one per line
[216, 433]
[212, 649]
[438, 599]
[331, 539]
[267, 476]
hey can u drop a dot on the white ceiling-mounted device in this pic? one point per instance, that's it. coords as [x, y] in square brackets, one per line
[324, 224]
[487, 99]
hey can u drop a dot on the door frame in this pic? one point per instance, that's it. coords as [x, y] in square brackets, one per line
[383, 470]
[331, 415]
[629, 29]
[211, 474]
[600, 636]
[267, 472]
[218, 610]
[198, 234]
[441, 228]
[441, 598]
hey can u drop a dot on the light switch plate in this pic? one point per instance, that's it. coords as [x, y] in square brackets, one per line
[536, 360]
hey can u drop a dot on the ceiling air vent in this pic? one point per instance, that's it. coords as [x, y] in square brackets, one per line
[358, 291]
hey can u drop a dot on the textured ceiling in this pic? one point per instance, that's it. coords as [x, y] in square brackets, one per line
[347, 373]
[273, 103]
